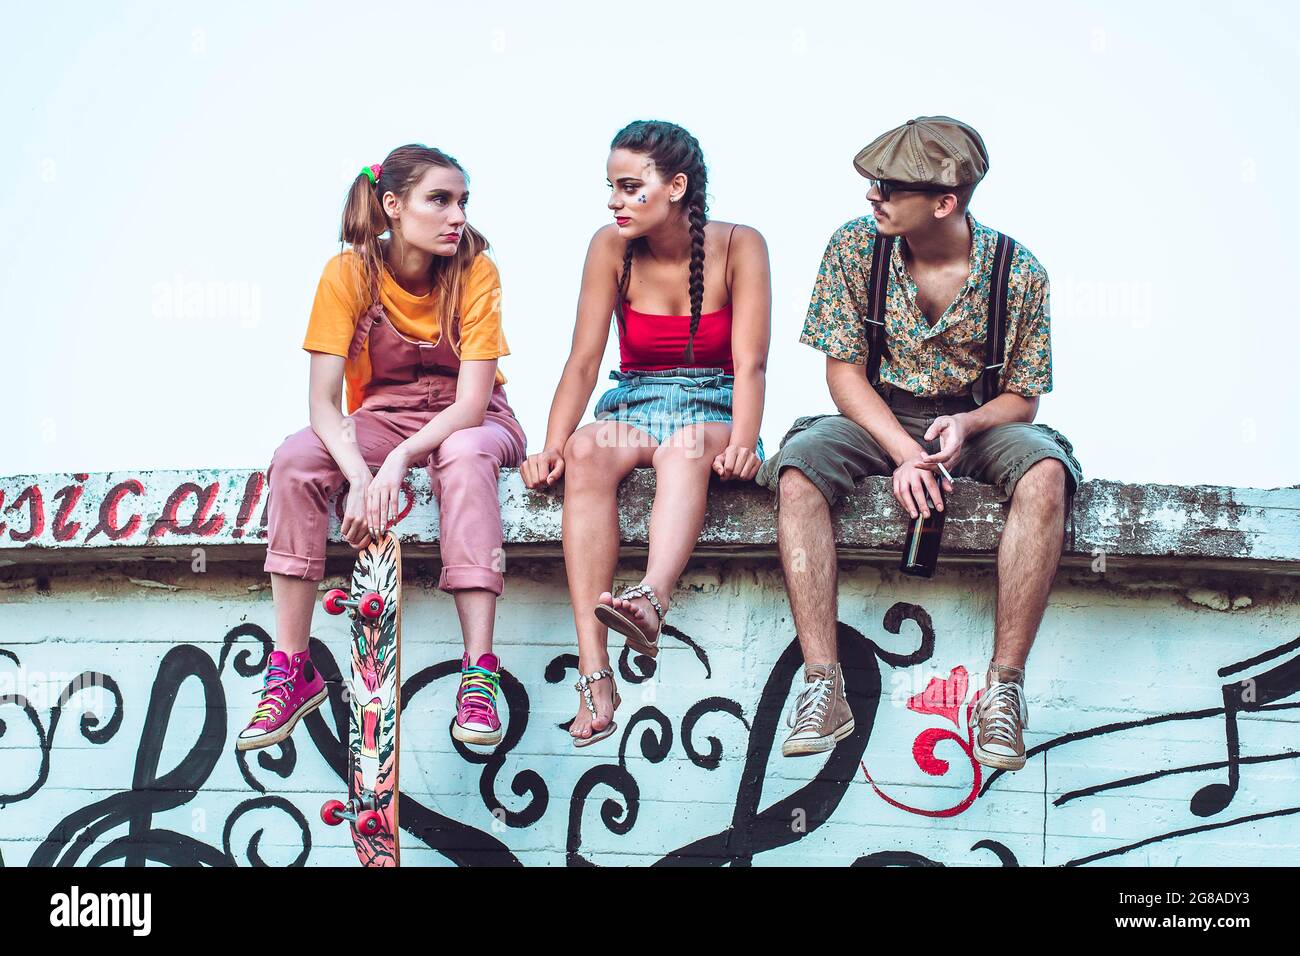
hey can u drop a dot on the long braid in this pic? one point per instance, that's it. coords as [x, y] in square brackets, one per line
[672, 150]
[695, 212]
[623, 280]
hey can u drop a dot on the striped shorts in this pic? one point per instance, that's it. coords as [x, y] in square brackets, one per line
[660, 403]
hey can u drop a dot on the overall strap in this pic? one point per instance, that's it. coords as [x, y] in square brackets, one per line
[362, 331]
[995, 337]
[428, 352]
[877, 295]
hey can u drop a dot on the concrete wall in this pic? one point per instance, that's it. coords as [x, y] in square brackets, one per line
[134, 620]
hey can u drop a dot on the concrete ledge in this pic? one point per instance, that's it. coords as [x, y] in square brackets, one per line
[73, 517]
[136, 621]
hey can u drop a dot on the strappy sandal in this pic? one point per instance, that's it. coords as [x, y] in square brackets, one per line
[584, 687]
[618, 621]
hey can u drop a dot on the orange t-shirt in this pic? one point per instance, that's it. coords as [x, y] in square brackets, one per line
[341, 299]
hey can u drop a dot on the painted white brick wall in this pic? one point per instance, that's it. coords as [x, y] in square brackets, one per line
[1122, 686]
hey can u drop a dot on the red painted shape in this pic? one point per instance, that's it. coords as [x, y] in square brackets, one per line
[252, 495]
[261, 527]
[70, 494]
[952, 811]
[370, 726]
[942, 697]
[410, 501]
[35, 501]
[200, 525]
[108, 512]
[923, 750]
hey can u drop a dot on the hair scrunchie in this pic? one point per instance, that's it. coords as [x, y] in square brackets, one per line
[372, 172]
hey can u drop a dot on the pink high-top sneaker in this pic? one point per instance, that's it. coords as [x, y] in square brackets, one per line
[293, 689]
[476, 702]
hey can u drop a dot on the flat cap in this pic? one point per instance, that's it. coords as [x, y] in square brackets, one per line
[930, 150]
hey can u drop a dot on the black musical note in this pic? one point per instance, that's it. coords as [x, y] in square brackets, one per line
[1249, 694]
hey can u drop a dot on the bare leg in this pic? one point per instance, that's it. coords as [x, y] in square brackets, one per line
[294, 600]
[594, 463]
[682, 468]
[1028, 555]
[806, 541]
[477, 608]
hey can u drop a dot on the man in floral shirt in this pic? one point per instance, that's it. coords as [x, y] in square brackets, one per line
[930, 403]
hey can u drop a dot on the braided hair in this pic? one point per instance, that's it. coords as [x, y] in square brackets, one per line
[673, 150]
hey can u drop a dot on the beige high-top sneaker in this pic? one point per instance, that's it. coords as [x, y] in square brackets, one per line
[1001, 717]
[820, 715]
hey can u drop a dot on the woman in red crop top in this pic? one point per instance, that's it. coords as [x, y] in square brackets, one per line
[693, 303]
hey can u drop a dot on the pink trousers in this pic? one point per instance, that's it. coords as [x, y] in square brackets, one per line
[463, 471]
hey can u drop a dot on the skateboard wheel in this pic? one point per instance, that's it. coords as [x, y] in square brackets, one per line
[372, 605]
[334, 599]
[369, 823]
[332, 812]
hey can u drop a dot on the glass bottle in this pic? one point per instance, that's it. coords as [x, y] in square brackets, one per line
[921, 549]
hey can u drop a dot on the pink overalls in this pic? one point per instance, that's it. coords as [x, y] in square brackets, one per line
[411, 382]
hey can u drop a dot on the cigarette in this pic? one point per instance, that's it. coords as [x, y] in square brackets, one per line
[944, 470]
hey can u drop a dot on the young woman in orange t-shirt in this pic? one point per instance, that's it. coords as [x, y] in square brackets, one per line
[413, 324]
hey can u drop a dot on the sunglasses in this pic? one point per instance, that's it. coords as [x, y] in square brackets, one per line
[888, 187]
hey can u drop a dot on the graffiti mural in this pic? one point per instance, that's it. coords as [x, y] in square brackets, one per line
[128, 758]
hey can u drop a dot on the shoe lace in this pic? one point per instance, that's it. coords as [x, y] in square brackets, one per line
[1002, 711]
[478, 690]
[810, 706]
[275, 693]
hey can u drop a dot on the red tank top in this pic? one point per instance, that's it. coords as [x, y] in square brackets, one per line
[653, 343]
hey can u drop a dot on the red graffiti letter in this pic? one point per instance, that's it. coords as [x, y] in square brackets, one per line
[32, 497]
[200, 524]
[70, 495]
[108, 512]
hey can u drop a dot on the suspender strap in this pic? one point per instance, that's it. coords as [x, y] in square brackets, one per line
[995, 336]
[375, 315]
[362, 331]
[877, 295]
[995, 339]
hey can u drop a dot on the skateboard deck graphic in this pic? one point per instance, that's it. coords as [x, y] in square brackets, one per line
[374, 702]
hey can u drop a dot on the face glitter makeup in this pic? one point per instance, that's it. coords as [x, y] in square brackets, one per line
[641, 198]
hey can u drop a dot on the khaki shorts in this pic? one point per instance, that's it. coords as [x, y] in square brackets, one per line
[836, 452]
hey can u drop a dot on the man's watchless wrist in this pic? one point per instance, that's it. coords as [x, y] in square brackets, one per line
[909, 453]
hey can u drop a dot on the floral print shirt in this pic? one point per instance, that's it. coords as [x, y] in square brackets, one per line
[940, 359]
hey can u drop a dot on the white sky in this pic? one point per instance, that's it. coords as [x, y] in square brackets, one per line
[1146, 153]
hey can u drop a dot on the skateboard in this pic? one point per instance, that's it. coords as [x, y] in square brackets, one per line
[374, 603]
